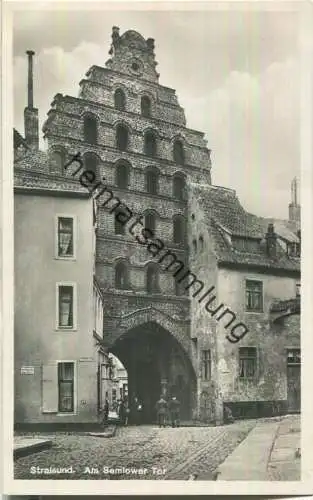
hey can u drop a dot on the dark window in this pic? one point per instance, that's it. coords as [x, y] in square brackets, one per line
[194, 245]
[150, 222]
[206, 365]
[119, 100]
[113, 394]
[66, 387]
[152, 279]
[122, 176]
[247, 362]
[179, 229]
[90, 129]
[201, 243]
[145, 106]
[121, 276]
[293, 357]
[150, 144]
[120, 221]
[179, 288]
[121, 137]
[179, 187]
[91, 162]
[293, 249]
[152, 181]
[254, 296]
[57, 161]
[65, 236]
[66, 307]
[246, 244]
[178, 153]
[298, 289]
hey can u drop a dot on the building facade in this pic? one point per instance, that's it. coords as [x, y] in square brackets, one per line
[246, 330]
[148, 170]
[55, 365]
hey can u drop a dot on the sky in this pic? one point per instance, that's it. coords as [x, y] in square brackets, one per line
[236, 72]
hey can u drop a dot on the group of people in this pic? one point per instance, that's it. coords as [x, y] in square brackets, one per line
[167, 411]
[120, 406]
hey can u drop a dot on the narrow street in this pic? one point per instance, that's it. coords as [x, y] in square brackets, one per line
[165, 453]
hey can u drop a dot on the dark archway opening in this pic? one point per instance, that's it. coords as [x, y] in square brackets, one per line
[156, 364]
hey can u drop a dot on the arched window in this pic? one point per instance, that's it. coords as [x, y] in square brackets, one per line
[150, 222]
[179, 187]
[178, 152]
[119, 100]
[201, 243]
[145, 106]
[57, 159]
[90, 129]
[120, 220]
[194, 245]
[121, 137]
[179, 288]
[121, 276]
[179, 229]
[91, 162]
[152, 278]
[152, 180]
[150, 144]
[122, 176]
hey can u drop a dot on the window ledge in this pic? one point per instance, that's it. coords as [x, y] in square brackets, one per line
[64, 329]
[69, 414]
[72, 258]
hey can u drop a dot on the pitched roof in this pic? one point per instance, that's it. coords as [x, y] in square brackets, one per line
[228, 219]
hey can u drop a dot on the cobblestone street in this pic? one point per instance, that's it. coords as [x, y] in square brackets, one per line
[163, 453]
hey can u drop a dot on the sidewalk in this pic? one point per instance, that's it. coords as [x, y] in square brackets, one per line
[270, 452]
[25, 445]
[285, 460]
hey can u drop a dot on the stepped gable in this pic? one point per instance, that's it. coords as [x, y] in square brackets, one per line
[228, 220]
[133, 55]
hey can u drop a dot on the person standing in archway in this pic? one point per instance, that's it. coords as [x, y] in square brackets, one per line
[174, 407]
[105, 412]
[161, 408]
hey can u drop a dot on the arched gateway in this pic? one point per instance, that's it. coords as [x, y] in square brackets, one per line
[157, 362]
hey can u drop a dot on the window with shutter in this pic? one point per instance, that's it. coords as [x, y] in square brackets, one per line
[49, 385]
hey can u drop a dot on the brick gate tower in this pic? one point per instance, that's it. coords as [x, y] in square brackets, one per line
[131, 131]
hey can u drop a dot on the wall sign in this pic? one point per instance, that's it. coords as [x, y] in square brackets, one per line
[27, 370]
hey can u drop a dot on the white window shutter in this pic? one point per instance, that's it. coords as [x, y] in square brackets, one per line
[49, 381]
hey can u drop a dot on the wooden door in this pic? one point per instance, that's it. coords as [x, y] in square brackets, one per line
[293, 381]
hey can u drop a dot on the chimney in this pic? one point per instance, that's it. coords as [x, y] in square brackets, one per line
[271, 241]
[294, 207]
[31, 113]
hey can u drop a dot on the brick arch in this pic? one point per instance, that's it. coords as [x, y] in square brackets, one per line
[151, 130]
[86, 113]
[178, 328]
[121, 86]
[179, 137]
[124, 123]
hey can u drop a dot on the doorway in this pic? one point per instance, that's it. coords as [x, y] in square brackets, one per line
[293, 380]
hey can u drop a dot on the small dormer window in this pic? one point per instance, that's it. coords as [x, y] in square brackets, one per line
[298, 289]
[245, 244]
[293, 249]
